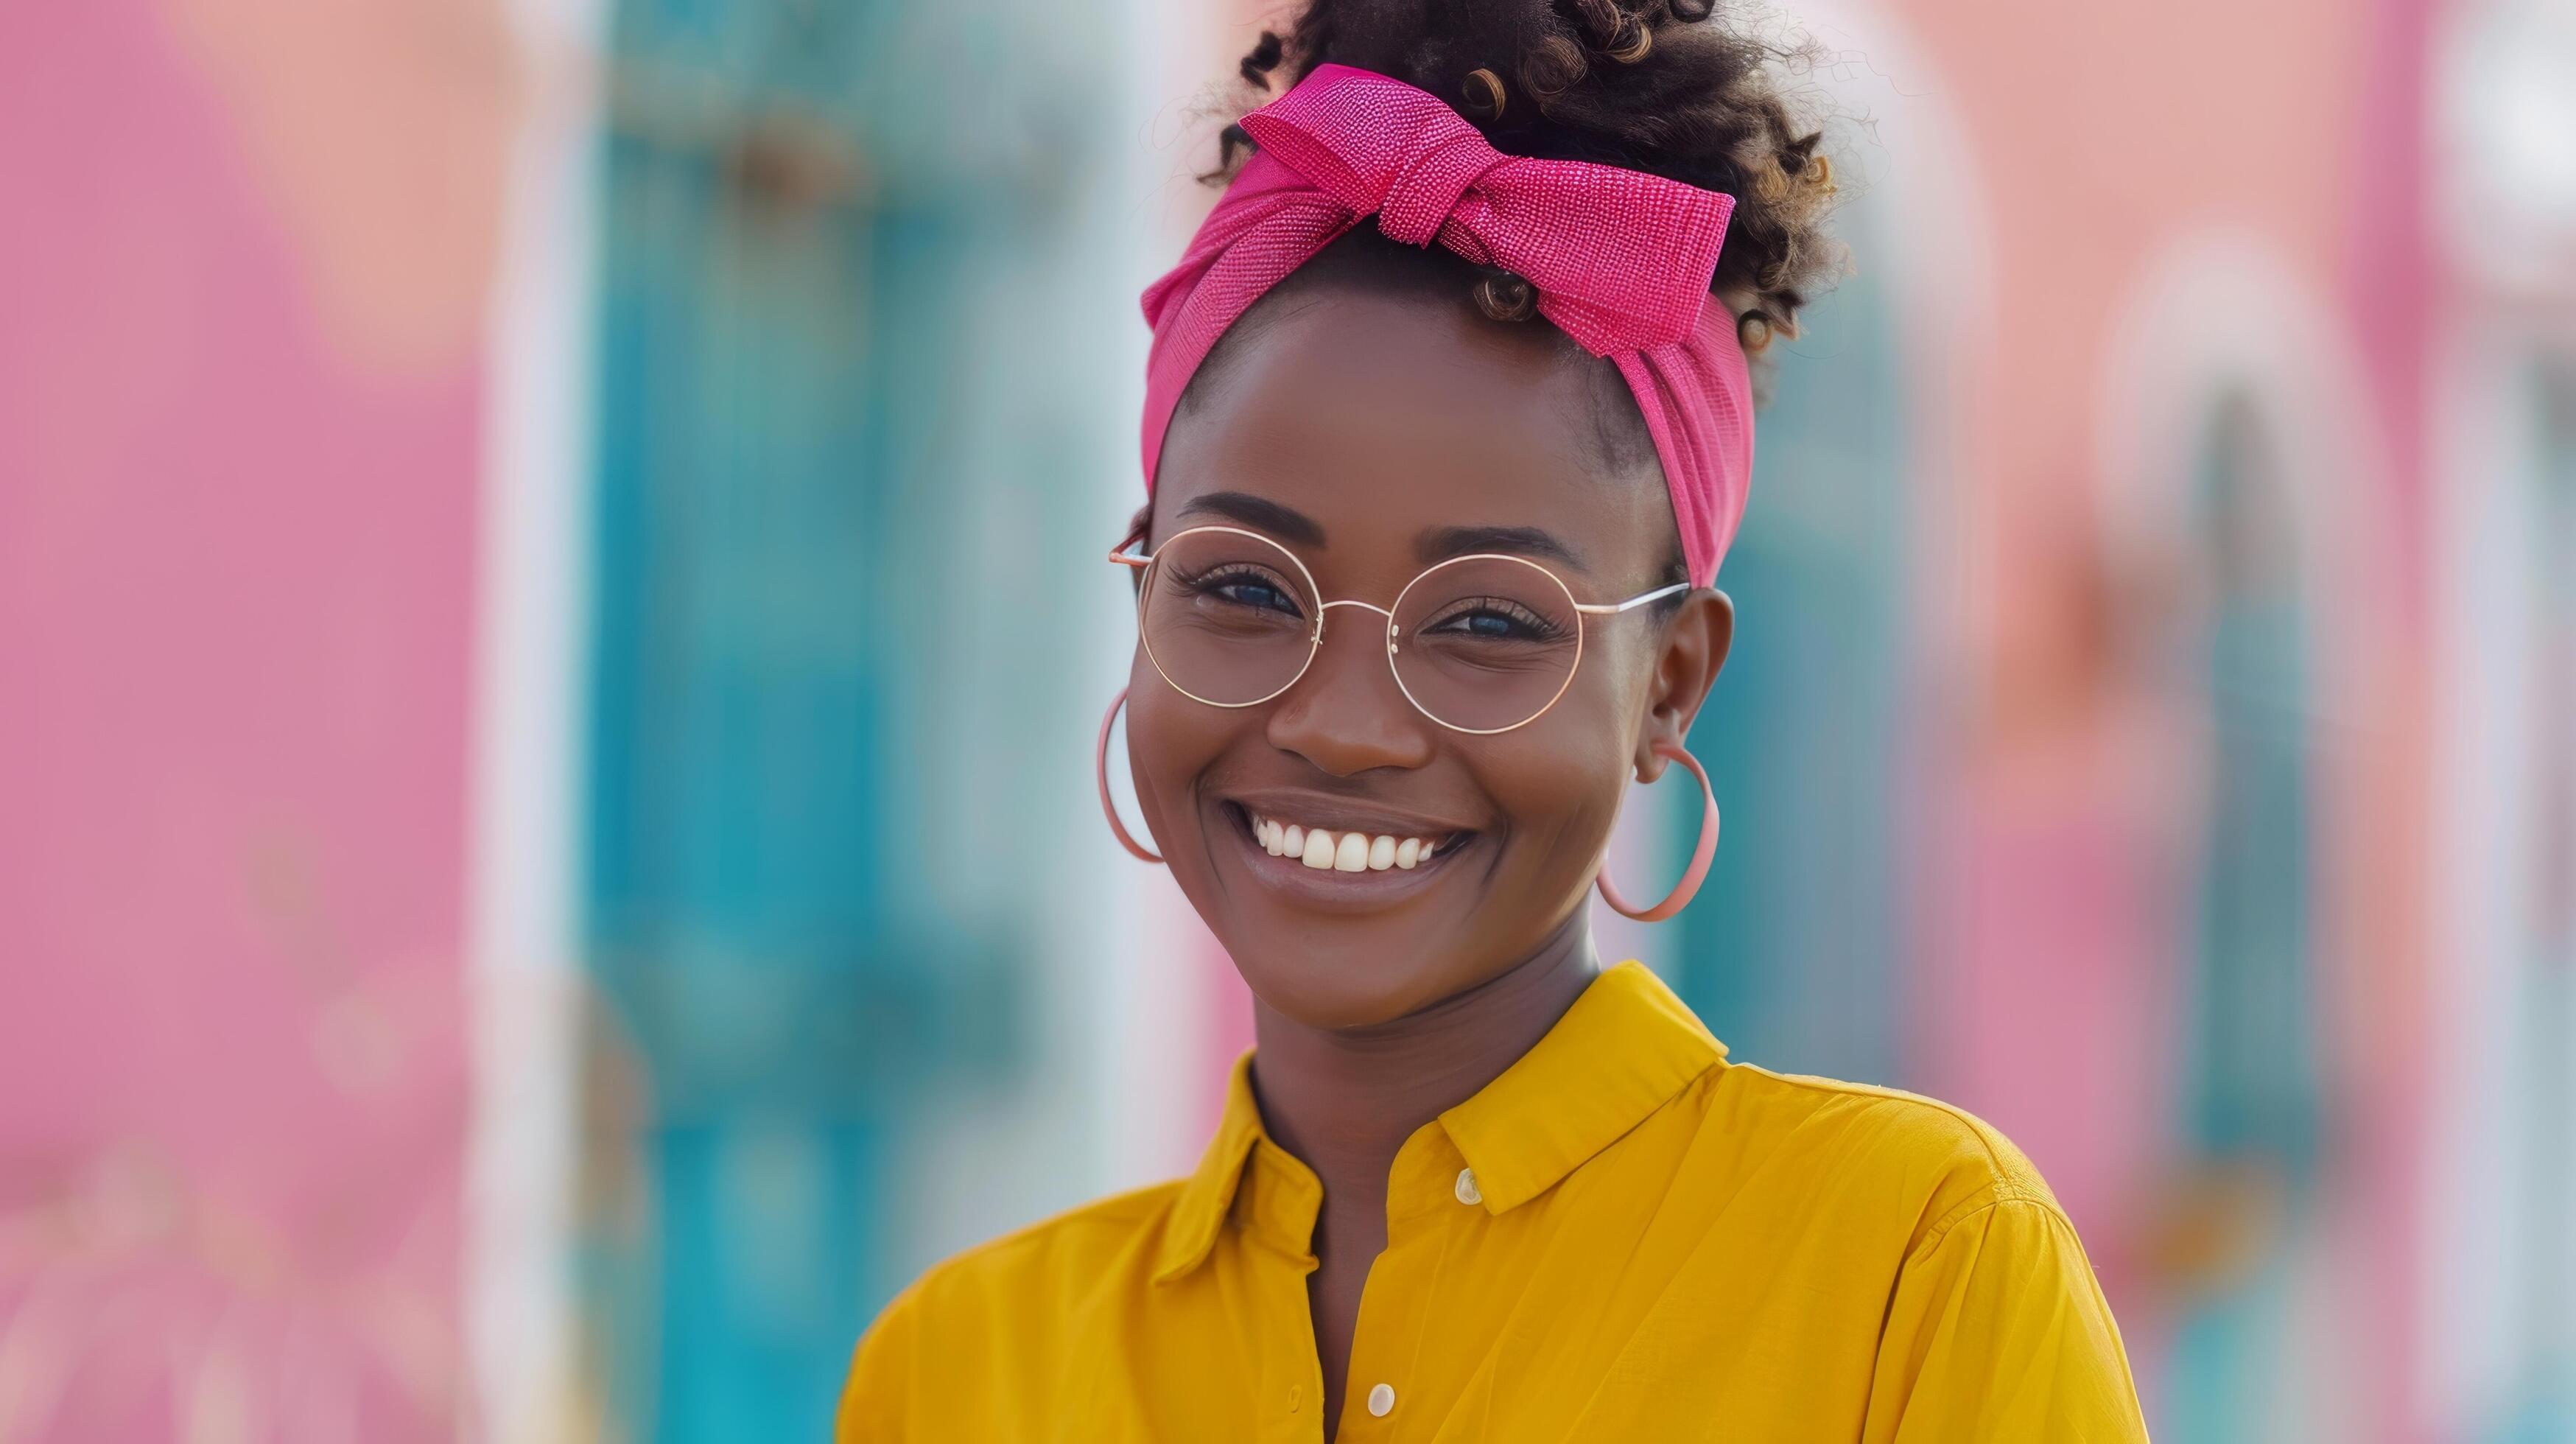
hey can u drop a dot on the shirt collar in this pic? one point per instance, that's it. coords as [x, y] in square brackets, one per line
[1621, 1052]
[1207, 1195]
[1625, 1048]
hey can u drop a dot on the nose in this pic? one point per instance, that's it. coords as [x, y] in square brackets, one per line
[1346, 715]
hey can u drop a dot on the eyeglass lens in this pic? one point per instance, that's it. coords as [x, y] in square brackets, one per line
[1481, 643]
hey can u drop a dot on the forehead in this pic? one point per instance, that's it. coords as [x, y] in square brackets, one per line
[1383, 418]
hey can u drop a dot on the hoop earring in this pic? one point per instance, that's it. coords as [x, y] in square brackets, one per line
[1692, 876]
[1100, 770]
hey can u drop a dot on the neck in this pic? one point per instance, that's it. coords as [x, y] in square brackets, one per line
[1345, 1099]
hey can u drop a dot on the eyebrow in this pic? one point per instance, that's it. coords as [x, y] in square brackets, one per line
[1436, 545]
[1287, 523]
[1442, 543]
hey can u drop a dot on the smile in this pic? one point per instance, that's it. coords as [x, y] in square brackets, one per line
[1349, 851]
[1335, 854]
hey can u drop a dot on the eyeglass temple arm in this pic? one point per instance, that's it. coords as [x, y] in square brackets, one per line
[1612, 609]
[1119, 555]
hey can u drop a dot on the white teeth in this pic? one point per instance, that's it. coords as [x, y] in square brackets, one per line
[1324, 849]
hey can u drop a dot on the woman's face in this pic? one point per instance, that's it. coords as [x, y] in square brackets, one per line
[1373, 435]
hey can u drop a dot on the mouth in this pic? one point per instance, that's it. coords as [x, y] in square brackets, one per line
[1321, 849]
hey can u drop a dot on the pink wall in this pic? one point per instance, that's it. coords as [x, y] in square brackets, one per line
[2102, 136]
[237, 447]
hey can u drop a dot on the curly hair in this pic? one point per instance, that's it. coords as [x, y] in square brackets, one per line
[1693, 90]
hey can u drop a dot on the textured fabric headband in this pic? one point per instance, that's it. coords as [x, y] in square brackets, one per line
[1619, 260]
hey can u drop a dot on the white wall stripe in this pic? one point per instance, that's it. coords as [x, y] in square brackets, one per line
[523, 972]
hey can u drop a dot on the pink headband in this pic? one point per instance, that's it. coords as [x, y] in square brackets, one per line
[1620, 261]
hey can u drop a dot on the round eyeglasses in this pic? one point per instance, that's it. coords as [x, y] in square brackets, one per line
[1481, 644]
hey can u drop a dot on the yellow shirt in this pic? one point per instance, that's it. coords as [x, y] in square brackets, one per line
[1625, 1237]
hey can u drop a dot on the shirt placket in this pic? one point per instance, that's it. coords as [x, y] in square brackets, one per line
[1276, 1209]
[1385, 1398]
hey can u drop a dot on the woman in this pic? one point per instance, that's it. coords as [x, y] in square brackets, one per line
[1443, 448]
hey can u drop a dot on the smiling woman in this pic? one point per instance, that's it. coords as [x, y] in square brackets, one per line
[1449, 430]
[1425, 580]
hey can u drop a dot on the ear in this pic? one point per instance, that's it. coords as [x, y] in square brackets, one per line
[1140, 528]
[1694, 647]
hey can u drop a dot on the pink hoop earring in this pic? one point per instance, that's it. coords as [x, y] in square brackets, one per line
[1100, 770]
[1692, 876]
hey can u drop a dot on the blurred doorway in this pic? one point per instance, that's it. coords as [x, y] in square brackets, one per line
[1793, 951]
[2251, 1092]
[837, 705]
[2540, 1388]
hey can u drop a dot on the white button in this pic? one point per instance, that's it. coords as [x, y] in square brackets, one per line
[1467, 1187]
[1381, 1399]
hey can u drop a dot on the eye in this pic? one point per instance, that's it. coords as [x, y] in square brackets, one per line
[1494, 619]
[1244, 586]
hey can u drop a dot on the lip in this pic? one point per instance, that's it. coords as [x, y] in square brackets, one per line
[1328, 889]
[1342, 814]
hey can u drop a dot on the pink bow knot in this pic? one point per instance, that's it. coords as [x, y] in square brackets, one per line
[1621, 260]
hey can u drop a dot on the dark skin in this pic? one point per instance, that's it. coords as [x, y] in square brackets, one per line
[1364, 429]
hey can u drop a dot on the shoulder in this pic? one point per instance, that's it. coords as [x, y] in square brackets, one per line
[1009, 1305]
[1912, 1160]
[1104, 1244]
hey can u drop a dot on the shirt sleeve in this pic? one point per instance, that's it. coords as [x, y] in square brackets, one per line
[876, 1403]
[1999, 1332]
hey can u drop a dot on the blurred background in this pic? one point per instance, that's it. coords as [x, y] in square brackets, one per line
[551, 621]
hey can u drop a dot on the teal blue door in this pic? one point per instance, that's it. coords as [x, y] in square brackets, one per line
[1793, 947]
[2251, 1095]
[2541, 1407]
[798, 615]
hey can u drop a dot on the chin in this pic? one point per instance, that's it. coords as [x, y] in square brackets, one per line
[1340, 920]
[1321, 981]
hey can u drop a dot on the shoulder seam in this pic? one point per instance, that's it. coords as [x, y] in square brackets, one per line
[1992, 1196]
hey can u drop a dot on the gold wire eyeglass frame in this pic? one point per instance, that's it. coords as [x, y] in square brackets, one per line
[1144, 562]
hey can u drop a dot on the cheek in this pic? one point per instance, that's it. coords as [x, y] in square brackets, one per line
[1559, 783]
[1170, 741]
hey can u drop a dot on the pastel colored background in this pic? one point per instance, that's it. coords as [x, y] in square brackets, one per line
[551, 626]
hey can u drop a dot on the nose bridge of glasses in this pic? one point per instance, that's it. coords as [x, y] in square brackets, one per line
[1323, 607]
[1326, 678]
